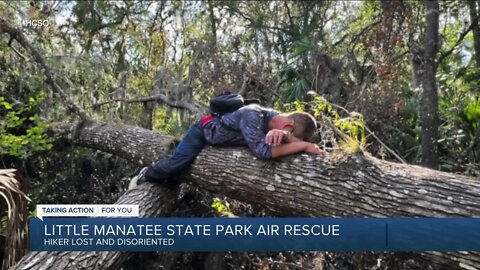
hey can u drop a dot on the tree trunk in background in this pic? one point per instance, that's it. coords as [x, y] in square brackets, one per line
[213, 25]
[146, 119]
[300, 185]
[148, 108]
[214, 38]
[473, 9]
[429, 102]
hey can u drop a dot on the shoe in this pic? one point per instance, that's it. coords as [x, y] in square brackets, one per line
[138, 179]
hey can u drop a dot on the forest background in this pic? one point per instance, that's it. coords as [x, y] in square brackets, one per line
[398, 79]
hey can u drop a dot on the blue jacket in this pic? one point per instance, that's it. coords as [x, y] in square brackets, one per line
[245, 126]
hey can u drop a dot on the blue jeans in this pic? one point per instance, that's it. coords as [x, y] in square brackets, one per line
[185, 153]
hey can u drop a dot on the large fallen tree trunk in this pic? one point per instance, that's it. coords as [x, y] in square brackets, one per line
[302, 185]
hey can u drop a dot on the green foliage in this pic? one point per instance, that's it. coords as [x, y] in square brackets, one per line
[295, 106]
[297, 84]
[459, 107]
[221, 208]
[302, 47]
[461, 116]
[298, 89]
[172, 124]
[322, 106]
[21, 132]
[472, 112]
[351, 127]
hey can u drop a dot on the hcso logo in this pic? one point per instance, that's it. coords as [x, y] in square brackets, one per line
[36, 23]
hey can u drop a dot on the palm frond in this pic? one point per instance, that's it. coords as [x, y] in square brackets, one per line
[17, 229]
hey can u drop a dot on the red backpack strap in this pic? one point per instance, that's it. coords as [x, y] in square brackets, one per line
[207, 118]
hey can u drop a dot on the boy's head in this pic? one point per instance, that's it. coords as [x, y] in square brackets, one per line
[301, 124]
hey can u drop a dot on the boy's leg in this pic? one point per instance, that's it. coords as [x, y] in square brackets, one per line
[185, 153]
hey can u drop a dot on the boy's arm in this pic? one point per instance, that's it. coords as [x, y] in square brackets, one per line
[290, 138]
[251, 127]
[252, 132]
[295, 147]
[277, 136]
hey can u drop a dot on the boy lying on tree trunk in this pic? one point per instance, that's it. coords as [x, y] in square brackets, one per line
[267, 133]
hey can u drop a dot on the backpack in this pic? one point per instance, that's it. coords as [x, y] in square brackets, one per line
[227, 103]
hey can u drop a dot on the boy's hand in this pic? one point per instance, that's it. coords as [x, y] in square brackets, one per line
[275, 137]
[312, 148]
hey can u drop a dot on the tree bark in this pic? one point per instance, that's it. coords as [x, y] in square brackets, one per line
[429, 102]
[301, 185]
[358, 185]
[213, 25]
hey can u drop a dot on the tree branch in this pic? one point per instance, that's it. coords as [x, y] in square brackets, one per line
[290, 19]
[255, 24]
[15, 50]
[277, 89]
[460, 39]
[361, 32]
[182, 104]
[37, 56]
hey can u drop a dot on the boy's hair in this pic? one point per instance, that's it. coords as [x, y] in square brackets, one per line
[304, 125]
